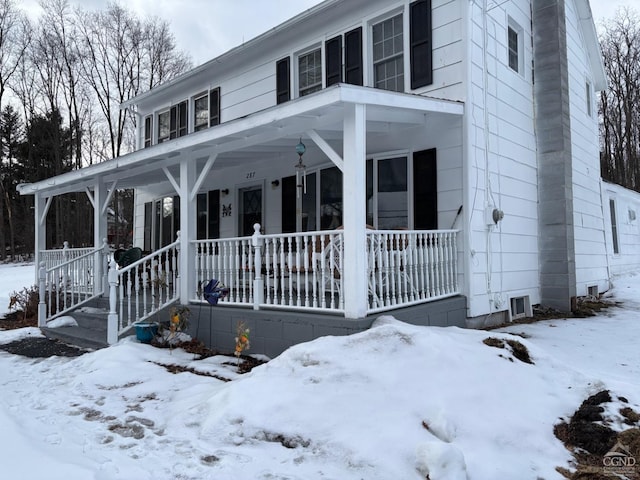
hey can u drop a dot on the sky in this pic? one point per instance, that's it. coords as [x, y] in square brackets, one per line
[208, 28]
[395, 401]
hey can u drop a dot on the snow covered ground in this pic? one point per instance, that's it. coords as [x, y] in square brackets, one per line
[394, 402]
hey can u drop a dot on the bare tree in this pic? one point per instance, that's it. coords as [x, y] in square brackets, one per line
[619, 104]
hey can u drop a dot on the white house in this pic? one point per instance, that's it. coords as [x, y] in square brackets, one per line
[449, 175]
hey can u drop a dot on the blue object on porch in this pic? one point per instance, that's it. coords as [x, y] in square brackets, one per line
[145, 332]
[213, 291]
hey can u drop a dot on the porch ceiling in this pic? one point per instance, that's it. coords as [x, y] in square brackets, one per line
[267, 135]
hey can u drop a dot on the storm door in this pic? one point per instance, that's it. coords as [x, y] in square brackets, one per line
[250, 209]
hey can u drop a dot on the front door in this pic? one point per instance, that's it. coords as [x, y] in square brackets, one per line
[250, 199]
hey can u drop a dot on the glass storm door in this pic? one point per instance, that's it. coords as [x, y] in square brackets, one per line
[250, 209]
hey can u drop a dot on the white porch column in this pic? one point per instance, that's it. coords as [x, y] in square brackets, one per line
[99, 231]
[188, 203]
[40, 240]
[354, 212]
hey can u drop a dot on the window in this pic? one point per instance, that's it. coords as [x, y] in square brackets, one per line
[614, 225]
[388, 60]
[201, 113]
[148, 128]
[387, 203]
[305, 204]
[167, 221]
[515, 44]
[208, 215]
[520, 307]
[172, 123]
[330, 198]
[163, 126]
[283, 82]
[309, 72]
[588, 97]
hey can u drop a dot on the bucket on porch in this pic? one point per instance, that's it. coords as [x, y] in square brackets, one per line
[145, 332]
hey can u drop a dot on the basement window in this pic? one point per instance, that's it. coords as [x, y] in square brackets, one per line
[520, 307]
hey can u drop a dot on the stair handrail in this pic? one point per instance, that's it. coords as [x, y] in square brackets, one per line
[138, 291]
[70, 284]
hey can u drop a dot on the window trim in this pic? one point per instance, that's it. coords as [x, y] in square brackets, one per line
[403, 54]
[513, 26]
[165, 138]
[317, 48]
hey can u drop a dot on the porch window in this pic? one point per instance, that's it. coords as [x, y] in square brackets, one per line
[306, 204]
[167, 221]
[309, 72]
[330, 198]
[387, 204]
[208, 215]
[388, 58]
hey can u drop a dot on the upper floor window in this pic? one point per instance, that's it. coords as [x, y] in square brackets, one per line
[388, 59]
[309, 72]
[588, 97]
[515, 45]
[201, 112]
[206, 110]
[164, 126]
[172, 123]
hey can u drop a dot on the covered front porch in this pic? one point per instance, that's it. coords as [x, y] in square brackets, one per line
[356, 266]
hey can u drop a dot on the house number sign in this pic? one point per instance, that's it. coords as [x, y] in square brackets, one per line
[251, 175]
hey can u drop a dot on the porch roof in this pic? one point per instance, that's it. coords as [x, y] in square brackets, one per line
[266, 135]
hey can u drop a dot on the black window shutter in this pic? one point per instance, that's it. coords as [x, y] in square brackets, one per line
[288, 204]
[420, 43]
[173, 122]
[425, 190]
[182, 118]
[214, 107]
[148, 128]
[353, 56]
[283, 82]
[333, 54]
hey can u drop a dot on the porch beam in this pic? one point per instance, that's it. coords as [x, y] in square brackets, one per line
[172, 179]
[203, 174]
[110, 193]
[100, 231]
[326, 148]
[87, 190]
[355, 215]
[43, 217]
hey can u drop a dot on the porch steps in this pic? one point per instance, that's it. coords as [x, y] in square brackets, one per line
[91, 331]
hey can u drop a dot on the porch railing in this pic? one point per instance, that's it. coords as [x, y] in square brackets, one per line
[53, 257]
[140, 290]
[305, 270]
[70, 280]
